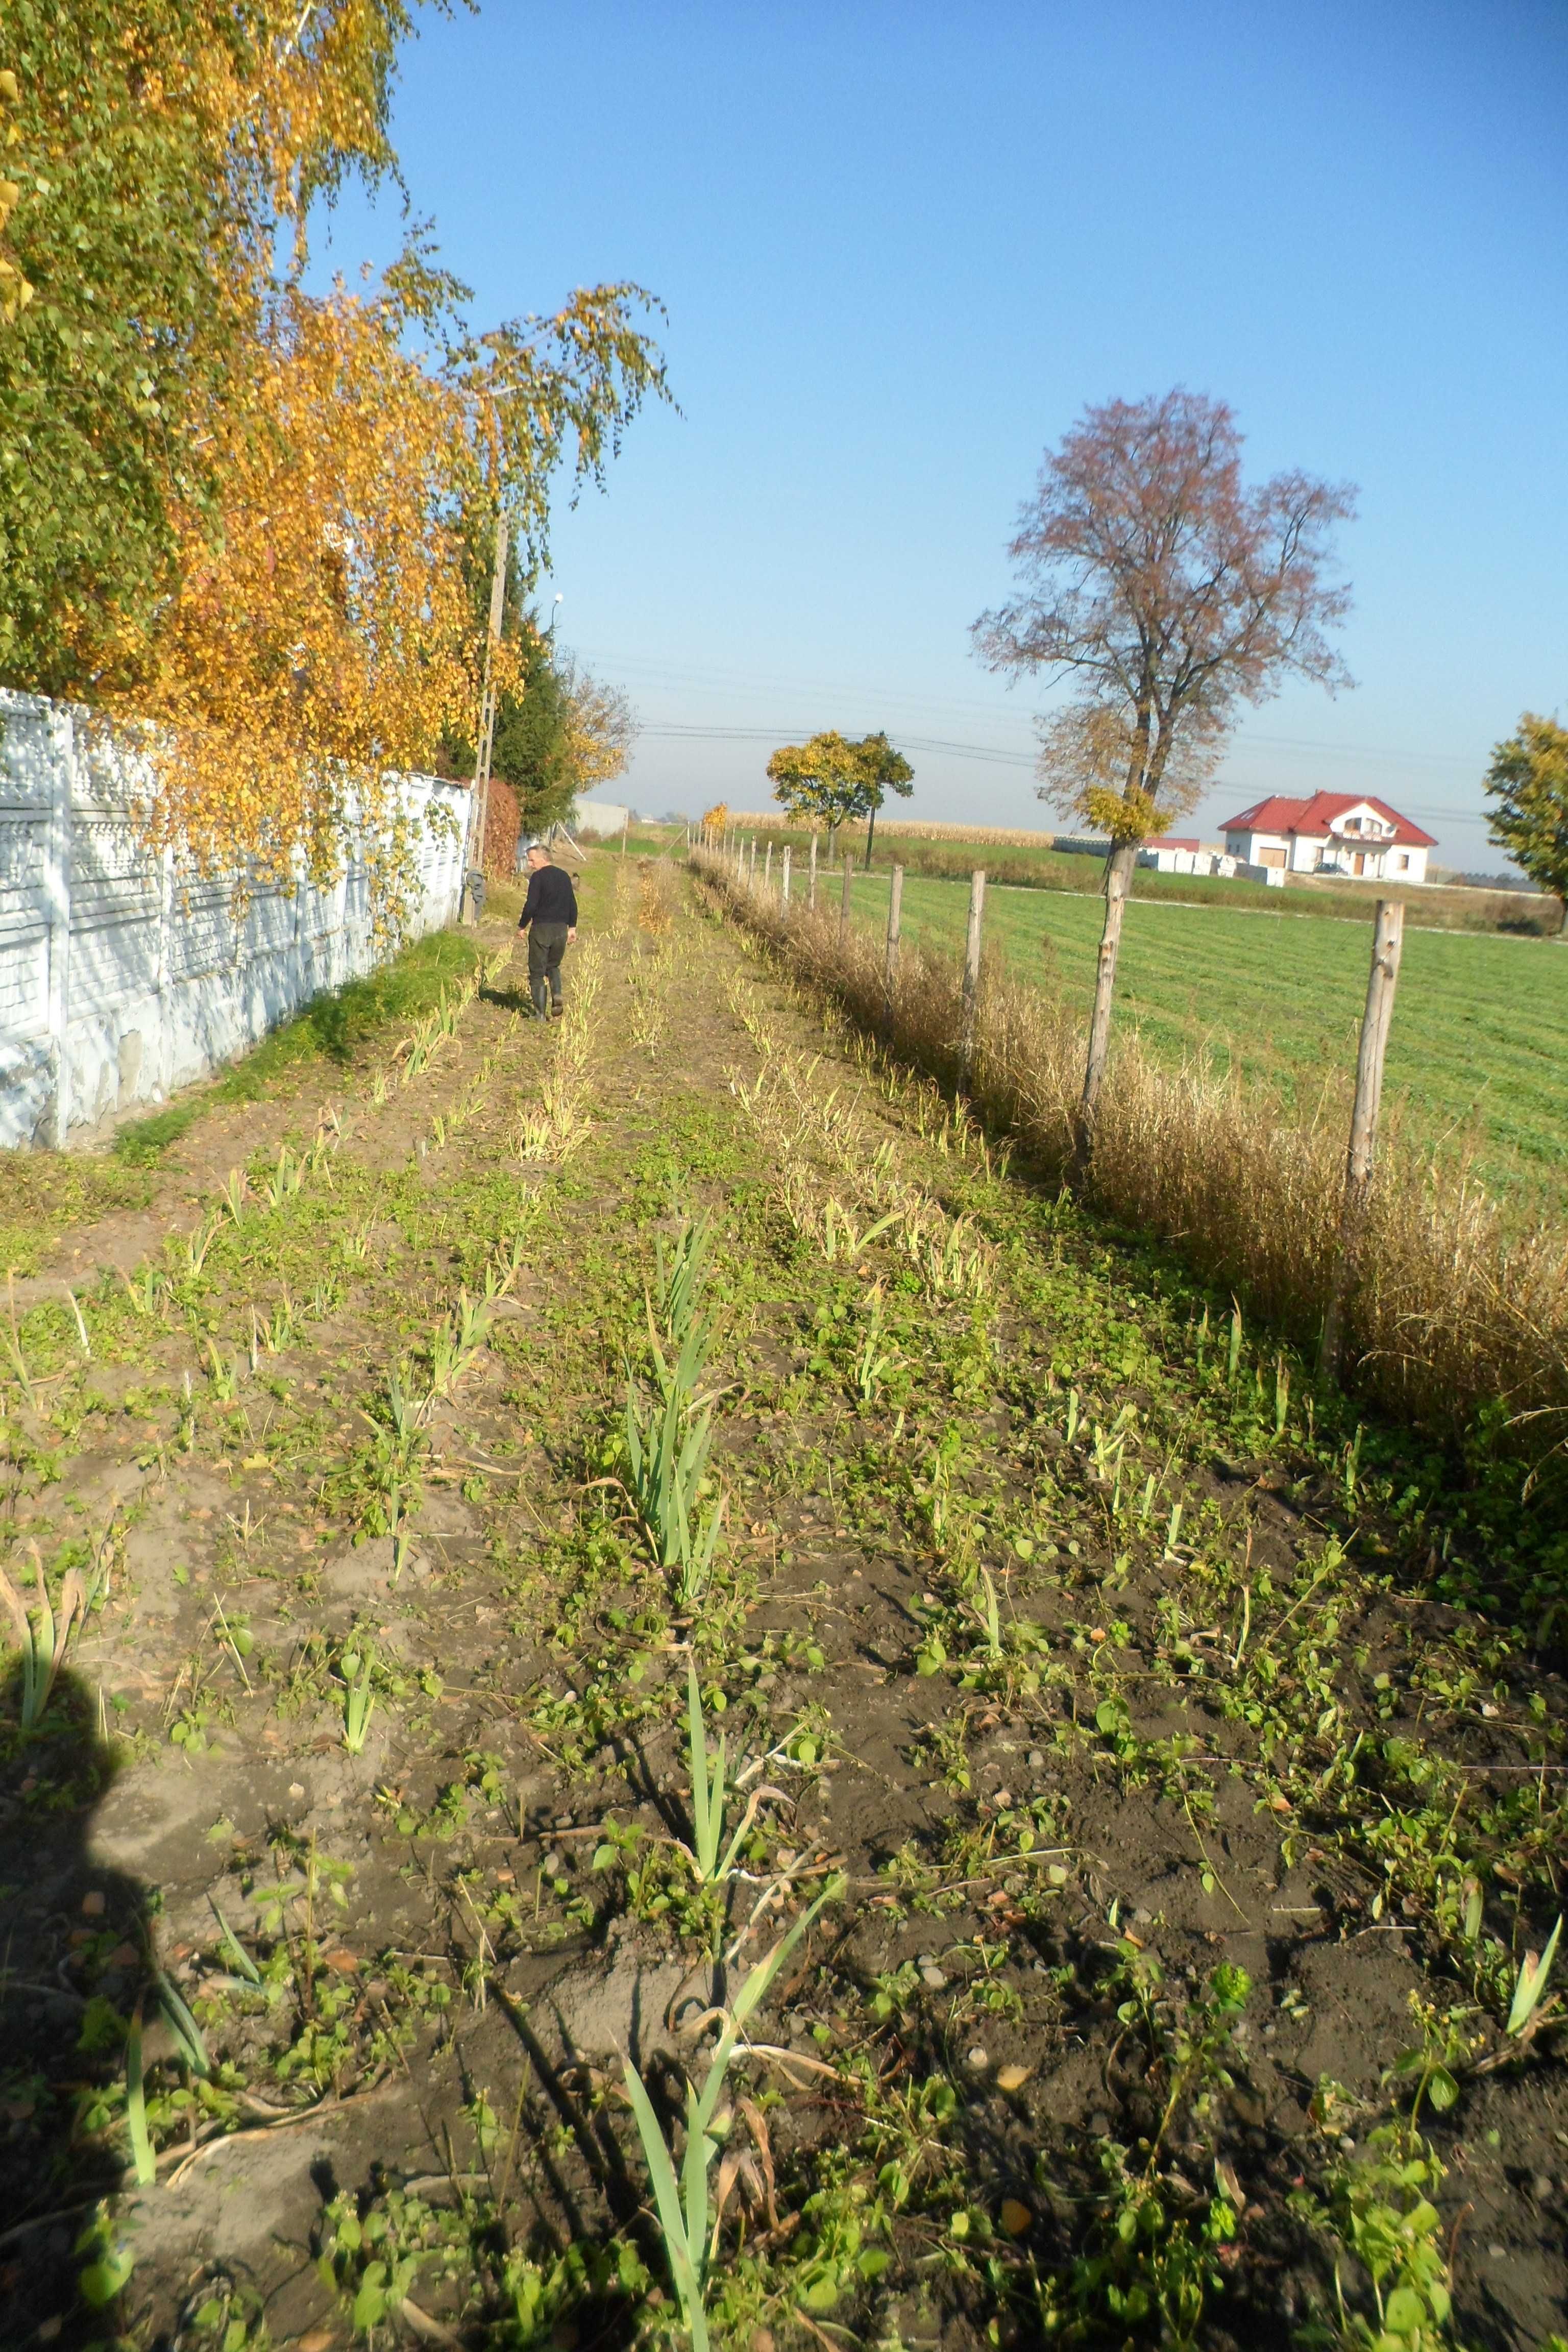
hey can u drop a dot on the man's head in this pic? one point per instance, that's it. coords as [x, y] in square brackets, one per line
[538, 856]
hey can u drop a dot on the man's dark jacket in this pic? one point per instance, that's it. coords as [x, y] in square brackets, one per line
[551, 899]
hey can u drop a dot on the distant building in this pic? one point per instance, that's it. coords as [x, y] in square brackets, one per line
[1331, 833]
[1169, 853]
[598, 820]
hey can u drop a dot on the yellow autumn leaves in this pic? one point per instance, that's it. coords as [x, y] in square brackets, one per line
[290, 592]
[14, 291]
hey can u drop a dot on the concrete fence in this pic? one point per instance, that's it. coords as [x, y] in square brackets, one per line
[125, 974]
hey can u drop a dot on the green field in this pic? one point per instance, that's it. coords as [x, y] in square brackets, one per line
[1479, 1039]
[1037, 865]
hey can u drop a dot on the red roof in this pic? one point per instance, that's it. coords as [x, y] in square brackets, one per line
[1312, 817]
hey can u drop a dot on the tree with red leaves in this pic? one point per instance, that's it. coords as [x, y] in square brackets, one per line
[1171, 593]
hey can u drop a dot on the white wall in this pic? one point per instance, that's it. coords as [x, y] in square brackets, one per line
[598, 820]
[123, 974]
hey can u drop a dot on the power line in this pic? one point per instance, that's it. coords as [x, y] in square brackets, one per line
[987, 754]
[750, 684]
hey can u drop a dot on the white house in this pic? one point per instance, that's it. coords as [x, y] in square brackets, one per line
[1331, 833]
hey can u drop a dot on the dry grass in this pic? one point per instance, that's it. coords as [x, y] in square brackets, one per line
[1457, 1316]
[905, 828]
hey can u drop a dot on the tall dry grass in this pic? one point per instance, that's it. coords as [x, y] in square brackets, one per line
[1455, 1310]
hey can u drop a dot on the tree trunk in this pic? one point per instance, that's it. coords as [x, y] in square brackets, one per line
[871, 835]
[1562, 922]
[1118, 877]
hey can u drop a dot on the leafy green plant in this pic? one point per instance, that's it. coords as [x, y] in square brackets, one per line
[10, 1340]
[1150, 2268]
[1152, 2263]
[141, 2155]
[355, 1670]
[1525, 2011]
[187, 2033]
[1379, 2209]
[682, 2206]
[874, 1360]
[43, 1639]
[107, 2261]
[667, 1458]
[712, 1860]
[233, 1950]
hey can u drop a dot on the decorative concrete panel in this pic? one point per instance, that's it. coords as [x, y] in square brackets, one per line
[125, 973]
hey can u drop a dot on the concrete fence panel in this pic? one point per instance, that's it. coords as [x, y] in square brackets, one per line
[124, 973]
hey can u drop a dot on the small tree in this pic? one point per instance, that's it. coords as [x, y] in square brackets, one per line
[836, 780]
[1527, 780]
[601, 727]
[1170, 593]
[881, 771]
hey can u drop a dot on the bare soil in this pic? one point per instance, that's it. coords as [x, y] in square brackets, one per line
[1252, 1701]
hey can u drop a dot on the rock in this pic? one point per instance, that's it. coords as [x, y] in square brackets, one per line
[1016, 2216]
[1036, 1760]
[1540, 2188]
[1099, 2126]
[1011, 2078]
[933, 1976]
[976, 2060]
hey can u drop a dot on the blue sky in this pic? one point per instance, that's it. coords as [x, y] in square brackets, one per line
[902, 245]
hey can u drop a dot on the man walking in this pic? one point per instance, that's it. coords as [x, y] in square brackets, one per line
[550, 919]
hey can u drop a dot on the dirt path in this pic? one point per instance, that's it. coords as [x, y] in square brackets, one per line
[1160, 1796]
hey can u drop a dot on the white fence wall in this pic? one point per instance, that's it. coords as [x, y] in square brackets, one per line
[121, 975]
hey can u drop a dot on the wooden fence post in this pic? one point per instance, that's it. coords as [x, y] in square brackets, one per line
[1118, 882]
[751, 877]
[972, 972]
[767, 869]
[1387, 939]
[894, 902]
[784, 880]
[811, 883]
[626, 829]
[843, 902]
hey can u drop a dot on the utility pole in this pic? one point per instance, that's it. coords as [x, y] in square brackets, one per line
[479, 805]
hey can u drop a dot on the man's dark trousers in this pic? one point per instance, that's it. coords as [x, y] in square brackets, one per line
[546, 946]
